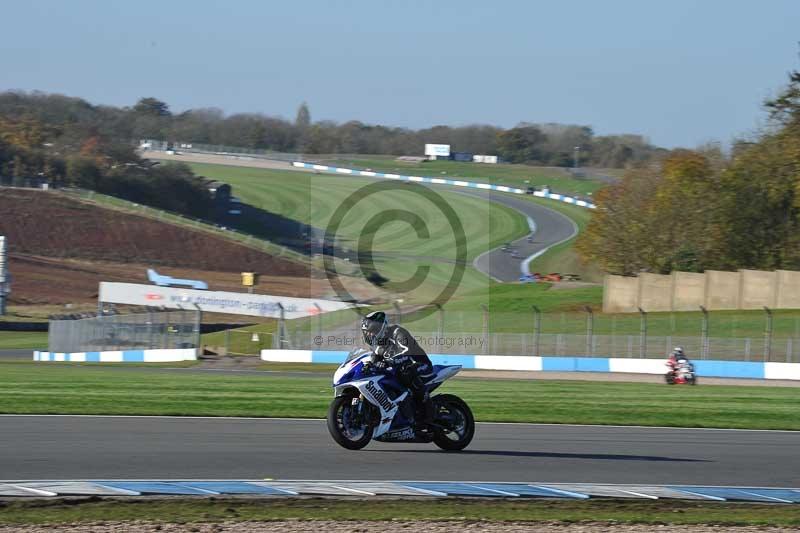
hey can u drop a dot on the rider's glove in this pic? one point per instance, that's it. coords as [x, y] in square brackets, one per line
[374, 366]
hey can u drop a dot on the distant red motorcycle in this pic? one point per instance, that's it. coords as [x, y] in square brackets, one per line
[681, 372]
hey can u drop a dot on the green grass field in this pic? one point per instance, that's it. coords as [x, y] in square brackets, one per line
[509, 304]
[313, 199]
[464, 513]
[102, 389]
[12, 340]
[520, 176]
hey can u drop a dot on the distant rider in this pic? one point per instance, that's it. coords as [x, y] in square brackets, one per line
[676, 358]
[396, 348]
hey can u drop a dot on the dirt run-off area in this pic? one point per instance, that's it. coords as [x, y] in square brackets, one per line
[50, 224]
[46, 280]
[403, 526]
[61, 248]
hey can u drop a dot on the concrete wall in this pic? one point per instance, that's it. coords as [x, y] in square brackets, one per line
[620, 294]
[788, 290]
[757, 289]
[716, 290]
[688, 291]
[655, 292]
[722, 289]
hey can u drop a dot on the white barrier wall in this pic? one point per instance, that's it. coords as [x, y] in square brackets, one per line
[704, 368]
[127, 356]
[782, 371]
[637, 366]
[508, 362]
[286, 356]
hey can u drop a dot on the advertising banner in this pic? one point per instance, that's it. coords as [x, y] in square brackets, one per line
[235, 303]
[440, 150]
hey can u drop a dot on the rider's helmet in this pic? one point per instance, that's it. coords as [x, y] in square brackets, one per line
[678, 353]
[373, 327]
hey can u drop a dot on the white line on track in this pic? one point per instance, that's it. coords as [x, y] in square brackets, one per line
[288, 419]
[526, 263]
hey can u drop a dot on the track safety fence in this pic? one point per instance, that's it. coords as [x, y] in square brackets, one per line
[140, 331]
[773, 337]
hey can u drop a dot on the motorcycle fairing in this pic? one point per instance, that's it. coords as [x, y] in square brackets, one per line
[375, 394]
[393, 425]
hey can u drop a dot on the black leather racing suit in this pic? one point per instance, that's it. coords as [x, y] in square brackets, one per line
[400, 350]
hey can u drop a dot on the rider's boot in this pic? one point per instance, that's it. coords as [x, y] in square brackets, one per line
[423, 411]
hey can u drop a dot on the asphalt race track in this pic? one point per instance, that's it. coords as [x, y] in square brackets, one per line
[15, 354]
[69, 447]
[551, 228]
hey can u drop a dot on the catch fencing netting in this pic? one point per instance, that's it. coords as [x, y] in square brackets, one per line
[141, 331]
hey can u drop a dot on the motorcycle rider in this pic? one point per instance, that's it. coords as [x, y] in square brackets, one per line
[675, 359]
[397, 348]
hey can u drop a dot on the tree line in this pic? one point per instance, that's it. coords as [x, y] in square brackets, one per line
[67, 142]
[151, 118]
[694, 210]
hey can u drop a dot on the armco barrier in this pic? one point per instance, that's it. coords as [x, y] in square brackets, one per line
[441, 181]
[704, 368]
[127, 356]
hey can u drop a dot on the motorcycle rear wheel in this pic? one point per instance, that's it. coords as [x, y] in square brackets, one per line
[339, 423]
[454, 413]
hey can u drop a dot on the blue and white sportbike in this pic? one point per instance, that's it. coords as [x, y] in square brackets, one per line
[374, 405]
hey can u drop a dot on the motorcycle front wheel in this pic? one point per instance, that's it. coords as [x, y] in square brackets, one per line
[350, 423]
[455, 421]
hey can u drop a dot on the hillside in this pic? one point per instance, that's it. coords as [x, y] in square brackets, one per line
[61, 248]
[49, 224]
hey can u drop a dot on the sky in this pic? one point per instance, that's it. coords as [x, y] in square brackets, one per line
[680, 72]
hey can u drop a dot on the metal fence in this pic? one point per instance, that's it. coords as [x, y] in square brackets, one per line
[569, 345]
[773, 337]
[143, 331]
[218, 149]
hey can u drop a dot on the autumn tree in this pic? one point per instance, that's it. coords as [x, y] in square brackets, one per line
[699, 209]
[522, 144]
[152, 106]
[619, 236]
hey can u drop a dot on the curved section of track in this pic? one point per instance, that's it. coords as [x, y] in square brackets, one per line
[68, 447]
[551, 228]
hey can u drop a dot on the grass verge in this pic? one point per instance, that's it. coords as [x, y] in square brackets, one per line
[563, 257]
[23, 340]
[559, 179]
[234, 509]
[54, 388]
